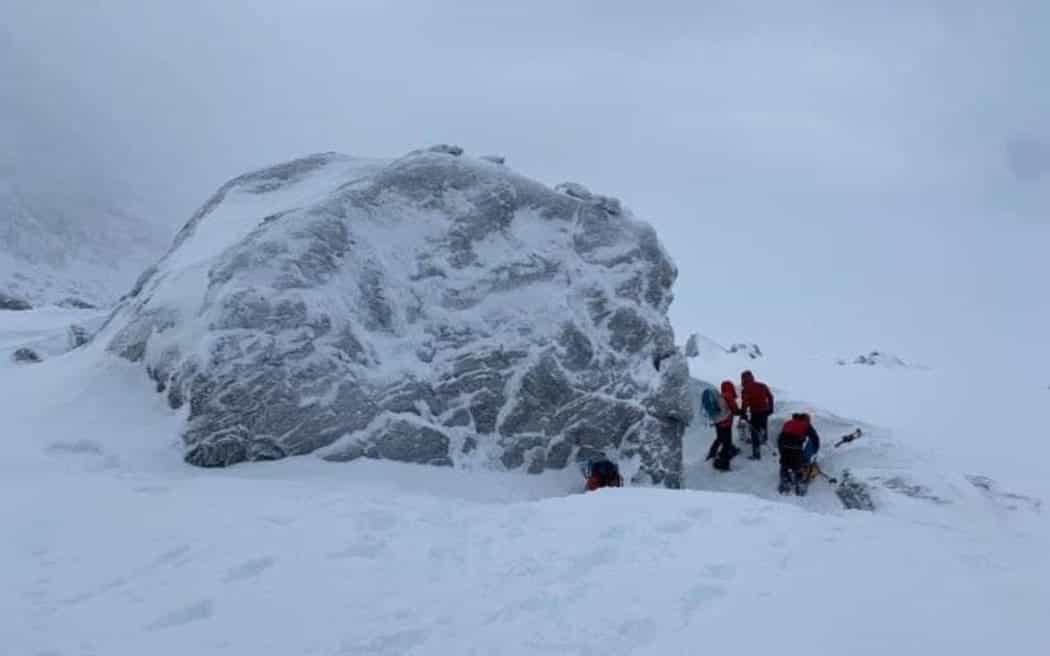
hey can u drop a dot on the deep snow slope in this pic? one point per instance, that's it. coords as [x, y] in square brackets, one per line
[116, 547]
[436, 309]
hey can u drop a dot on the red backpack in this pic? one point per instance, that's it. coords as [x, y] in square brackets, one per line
[795, 429]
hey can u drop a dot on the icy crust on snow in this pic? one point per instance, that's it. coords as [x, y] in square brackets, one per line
[433, 309]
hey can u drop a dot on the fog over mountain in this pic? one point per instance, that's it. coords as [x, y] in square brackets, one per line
[421, 320]
[871, 177]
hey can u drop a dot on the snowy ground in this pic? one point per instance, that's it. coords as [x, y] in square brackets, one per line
[112, 546]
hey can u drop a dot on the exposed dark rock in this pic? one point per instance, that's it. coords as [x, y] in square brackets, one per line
[76, 304]
[8, 302]
[26, 355]
[77, 336]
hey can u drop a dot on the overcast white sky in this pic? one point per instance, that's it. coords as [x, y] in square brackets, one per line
[836, 178]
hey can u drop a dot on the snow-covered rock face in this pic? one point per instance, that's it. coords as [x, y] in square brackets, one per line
[434, 309]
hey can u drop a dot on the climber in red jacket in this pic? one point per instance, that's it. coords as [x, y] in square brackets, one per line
[723, 446]
[756, 404]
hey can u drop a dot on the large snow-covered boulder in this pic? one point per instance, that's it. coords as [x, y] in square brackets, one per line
[435, 309]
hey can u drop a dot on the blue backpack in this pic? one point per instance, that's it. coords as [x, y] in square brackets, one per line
[714, 405]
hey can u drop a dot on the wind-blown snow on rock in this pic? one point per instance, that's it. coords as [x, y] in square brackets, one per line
[434, 309]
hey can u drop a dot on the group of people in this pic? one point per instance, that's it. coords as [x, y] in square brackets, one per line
[798, 442]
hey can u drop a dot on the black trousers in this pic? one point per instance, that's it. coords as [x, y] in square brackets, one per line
[790, 461]
[759, 428]
[723, 442]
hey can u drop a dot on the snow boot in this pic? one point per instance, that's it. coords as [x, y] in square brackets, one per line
[786, 483]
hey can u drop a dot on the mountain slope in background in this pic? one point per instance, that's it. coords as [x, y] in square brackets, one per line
[70, 240]
[70, 226]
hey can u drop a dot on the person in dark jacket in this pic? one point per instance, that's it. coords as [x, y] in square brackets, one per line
[756, 404]
[722, 449]
[798, 445]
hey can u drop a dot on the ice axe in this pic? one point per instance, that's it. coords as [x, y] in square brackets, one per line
[830, 479]
[846, 439]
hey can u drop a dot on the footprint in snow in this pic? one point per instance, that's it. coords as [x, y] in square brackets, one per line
[174, 556]
[278, 520]
[369, 547]
[249, 569]
[378, 520]
[720, 571]
[583, 565]
[699, 596]
[399, 642]
[109, 586]
[635, 634]
[699, 514]
[152, 490]
[676, 526]
[82, 447]
[201, 610]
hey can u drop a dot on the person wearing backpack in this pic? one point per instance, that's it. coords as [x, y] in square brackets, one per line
[720, 409]
[722, 448]
[756, 399]
[798, 445]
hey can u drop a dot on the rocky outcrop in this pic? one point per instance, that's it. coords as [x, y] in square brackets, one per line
[699, 346]
[880, 359]
[26, 355]
[752, 351]
[74, 303]
[77, 336]
[8, 302]
[434, 309]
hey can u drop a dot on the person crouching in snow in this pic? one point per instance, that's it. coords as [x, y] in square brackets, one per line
[798, 445]
[722, 449]
[755, 398]
[603, 473]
